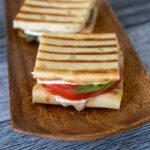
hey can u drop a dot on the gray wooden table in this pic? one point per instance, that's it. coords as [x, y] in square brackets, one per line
[135, 17]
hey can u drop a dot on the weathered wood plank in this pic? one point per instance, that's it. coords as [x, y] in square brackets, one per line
[138, 139]
[4, 96]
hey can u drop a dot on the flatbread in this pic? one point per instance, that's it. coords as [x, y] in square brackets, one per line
[87, 29]
[53, 16]
[78, 58]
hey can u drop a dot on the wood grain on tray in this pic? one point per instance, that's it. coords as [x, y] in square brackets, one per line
[66, 123]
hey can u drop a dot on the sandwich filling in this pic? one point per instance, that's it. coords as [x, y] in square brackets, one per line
[72, 94]
[67, 93]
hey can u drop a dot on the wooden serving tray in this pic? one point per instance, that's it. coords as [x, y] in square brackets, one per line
[66, 123]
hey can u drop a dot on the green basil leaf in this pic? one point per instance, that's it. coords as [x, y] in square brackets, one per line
[92, 88]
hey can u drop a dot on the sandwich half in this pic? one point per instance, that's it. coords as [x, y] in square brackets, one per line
[55, 16]
[80, 70]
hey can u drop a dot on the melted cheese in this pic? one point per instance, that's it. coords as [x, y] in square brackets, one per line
[78, 105]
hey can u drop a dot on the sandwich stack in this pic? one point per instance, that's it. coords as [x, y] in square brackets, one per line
[80, 70]
[56, 16]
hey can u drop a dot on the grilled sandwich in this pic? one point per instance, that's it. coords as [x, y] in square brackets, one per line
[80, 70]
[55, 16]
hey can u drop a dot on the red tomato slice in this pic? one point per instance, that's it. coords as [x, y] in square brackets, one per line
[65, 91]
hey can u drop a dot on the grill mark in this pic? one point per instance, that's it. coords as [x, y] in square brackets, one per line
[47, 21]
[79, 53]
[55, 7]
[76, 39]
[78, 61]
[47, 13]
[93, 46]
[78, 71]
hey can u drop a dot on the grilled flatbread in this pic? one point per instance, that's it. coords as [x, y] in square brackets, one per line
[54, 16]
[79, 58]
[32, 35]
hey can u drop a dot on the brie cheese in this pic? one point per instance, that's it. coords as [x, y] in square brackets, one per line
[78, 105]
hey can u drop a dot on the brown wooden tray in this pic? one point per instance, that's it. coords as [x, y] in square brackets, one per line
[65, 123]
